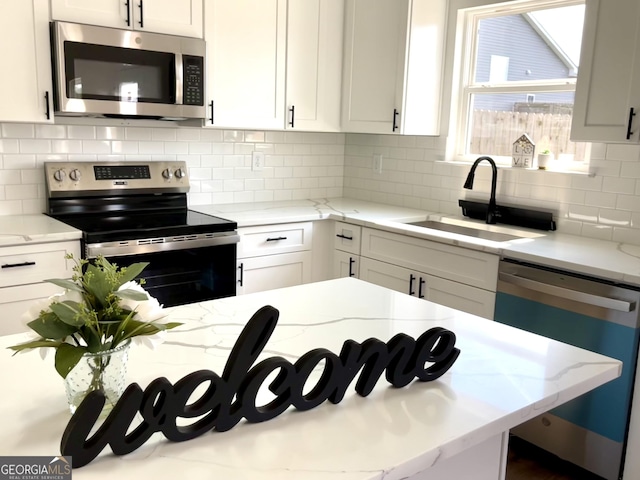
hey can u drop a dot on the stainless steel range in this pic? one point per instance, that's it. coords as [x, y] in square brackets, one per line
[137, 212]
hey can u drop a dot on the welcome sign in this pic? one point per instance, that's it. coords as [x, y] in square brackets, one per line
[229, 398]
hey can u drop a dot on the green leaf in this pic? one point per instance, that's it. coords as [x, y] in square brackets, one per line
[65, 283]
[132, 295]
[67, 357]
[69, 312]
[50, 326]
[96, 282]
[131, 272]
[33, 344]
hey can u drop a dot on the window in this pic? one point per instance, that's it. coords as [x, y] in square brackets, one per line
[518, 75]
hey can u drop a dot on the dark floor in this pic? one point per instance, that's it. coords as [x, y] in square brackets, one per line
[528, 462]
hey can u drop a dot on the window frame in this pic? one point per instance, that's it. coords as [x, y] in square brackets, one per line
[464, 86]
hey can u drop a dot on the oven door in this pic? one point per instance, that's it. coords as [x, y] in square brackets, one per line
[178, 277]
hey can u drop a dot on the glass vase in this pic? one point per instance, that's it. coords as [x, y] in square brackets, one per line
[105, 371]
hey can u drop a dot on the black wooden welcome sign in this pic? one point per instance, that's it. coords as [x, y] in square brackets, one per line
[402, 359]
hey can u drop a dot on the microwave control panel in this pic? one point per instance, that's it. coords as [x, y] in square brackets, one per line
[193, 75]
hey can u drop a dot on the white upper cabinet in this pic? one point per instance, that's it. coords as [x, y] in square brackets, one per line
[393, 66]
[314, 64]
[273, 64]
[608, 84]
[175, 17]
[26, 93]
[246, 48]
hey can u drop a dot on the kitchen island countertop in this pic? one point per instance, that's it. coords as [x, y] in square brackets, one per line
[502, 378]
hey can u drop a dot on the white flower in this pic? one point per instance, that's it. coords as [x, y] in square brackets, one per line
[150, 341]
[148, 310]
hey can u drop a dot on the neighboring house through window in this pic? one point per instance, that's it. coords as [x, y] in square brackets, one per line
[517, 74]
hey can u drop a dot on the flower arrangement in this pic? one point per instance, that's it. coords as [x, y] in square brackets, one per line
[102, 308]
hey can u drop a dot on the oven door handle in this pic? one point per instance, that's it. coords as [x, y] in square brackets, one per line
[567, 293]
[135, 247]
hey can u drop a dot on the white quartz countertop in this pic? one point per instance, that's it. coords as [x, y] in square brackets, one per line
[604, 259]
[502, 378]
[37, 228]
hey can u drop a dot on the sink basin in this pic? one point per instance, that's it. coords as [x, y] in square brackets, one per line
[485, 232]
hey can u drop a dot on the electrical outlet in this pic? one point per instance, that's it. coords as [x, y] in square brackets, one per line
[257, 160]
[377, 162]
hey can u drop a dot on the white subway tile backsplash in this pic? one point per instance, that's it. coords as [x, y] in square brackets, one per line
[110, 133]
[163, 134]
[82, 132]
[151, 148]
[138, 133]
[96, 147]
[35, 146]
[66, 146]
[18, 130]
[9, 145]
[50, 131]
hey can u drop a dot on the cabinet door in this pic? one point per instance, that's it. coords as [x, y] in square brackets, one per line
[391, 276]
[175, 17]
[459, 296]
[608, 84]
[345, 264]
[347, 237]
[462, 265]
[273, 271]
[25, 85]
[246, 62]
[314, 64]
[106, 13]
[373, 76]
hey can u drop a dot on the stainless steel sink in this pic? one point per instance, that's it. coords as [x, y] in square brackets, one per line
[488, 232]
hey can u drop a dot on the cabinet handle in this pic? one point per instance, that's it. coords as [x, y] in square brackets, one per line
[141, 15]
[411, 279]
[275, 239]
[420, 285]
[46, 102]
[351, 262]
[211, 107]
[339, 235]
[631, 115]
[127, 5]
[14, 265]
[293, 112]
[395, 119]
[241, 279]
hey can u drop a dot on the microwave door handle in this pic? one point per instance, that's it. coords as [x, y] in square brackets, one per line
[179, 79]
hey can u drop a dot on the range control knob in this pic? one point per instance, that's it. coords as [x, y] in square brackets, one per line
[180, 173]
[75, 175]
[167, 174]
[59, 175]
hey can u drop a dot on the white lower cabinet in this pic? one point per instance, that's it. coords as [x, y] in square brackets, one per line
[258, 274]
[452, 276]
[345, 264]
[438, 290]
[274, 256]
[23, 270]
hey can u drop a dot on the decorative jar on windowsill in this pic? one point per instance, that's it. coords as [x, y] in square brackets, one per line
[91, 325]
[544, 159]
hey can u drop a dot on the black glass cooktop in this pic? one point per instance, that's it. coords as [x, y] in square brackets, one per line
[110, 227]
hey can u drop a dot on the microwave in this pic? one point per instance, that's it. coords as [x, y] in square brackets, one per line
[108, 72]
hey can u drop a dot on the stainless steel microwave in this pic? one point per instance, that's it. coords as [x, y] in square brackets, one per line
[109, 72]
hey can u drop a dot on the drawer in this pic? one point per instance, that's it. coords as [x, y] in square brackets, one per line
[462, 265]
[274, 239]
[26, 264]
[347, 237]
[16, 301]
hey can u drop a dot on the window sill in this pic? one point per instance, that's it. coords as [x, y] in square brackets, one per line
[509, 167]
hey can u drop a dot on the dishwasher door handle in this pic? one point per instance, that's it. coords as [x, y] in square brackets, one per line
[567, 293]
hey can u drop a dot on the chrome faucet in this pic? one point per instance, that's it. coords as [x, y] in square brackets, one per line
[492, 211]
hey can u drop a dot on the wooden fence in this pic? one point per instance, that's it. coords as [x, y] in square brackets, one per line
[493, 133]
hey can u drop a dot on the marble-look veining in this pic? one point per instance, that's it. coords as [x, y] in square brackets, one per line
[600, 258]
[30, 229]
[503, 377]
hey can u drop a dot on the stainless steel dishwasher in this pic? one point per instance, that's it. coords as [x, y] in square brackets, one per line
[590, 431]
